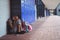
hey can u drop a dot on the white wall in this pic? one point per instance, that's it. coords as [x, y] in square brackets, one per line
[58, 13]
[35, 13]
[45, 12]
[4, 15]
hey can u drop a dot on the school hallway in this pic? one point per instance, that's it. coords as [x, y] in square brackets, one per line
[46, 28]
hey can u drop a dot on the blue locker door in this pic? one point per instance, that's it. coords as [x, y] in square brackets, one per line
[47, 13]
[28, 10]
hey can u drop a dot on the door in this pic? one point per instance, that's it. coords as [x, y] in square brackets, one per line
[15, 8]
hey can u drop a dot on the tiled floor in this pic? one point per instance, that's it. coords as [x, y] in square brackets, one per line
[26, 36]
[43, 29]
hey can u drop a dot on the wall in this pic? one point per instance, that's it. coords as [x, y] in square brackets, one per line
[58, 8]
[4, 15]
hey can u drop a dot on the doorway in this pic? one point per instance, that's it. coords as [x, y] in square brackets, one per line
[15, 8]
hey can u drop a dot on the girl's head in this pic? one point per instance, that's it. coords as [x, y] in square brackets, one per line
[15, 18]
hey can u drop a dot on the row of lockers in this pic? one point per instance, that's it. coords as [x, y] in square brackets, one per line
[27, 10]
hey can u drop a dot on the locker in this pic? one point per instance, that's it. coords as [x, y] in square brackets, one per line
[28, 10]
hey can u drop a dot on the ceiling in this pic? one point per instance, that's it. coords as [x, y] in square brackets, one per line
[51, 4]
